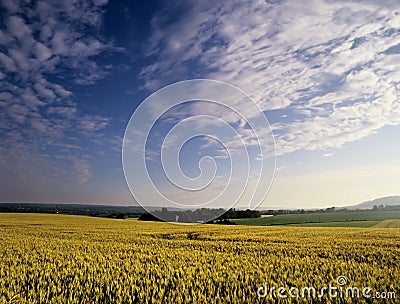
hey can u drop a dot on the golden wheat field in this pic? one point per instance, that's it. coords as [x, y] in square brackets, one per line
[73, 259]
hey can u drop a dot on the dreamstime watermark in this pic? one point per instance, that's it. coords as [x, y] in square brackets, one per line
[339, 290]
[238, 170]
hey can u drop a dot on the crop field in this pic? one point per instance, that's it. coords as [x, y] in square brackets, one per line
[332, 219]
[388, 224]
[363, 224]
[77, 259]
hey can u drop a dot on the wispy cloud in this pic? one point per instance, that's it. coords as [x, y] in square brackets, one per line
[82, 169]
[332, 63]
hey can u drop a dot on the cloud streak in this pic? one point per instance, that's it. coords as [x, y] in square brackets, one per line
[330, 64]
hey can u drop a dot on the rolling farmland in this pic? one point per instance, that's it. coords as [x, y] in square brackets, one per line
[77, 259]
[328, 219]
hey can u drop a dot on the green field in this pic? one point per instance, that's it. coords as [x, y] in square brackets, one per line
[77, 259]
[362, 224]
[388, 224]
[334, 219]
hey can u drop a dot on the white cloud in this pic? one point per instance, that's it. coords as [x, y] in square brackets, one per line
[38, 39]
[43, 53]
[7, 63]
[10, 6]
[82, 169]
[17, 27]
[31, 99]
[325, 61]
[41, 38]
[92, 123]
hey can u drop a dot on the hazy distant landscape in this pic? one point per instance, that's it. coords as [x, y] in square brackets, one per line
[366, 214]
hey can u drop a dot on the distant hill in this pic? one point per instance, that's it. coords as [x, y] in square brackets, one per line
[384, 201]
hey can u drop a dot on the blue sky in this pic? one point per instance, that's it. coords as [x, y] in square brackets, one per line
[325, 73]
